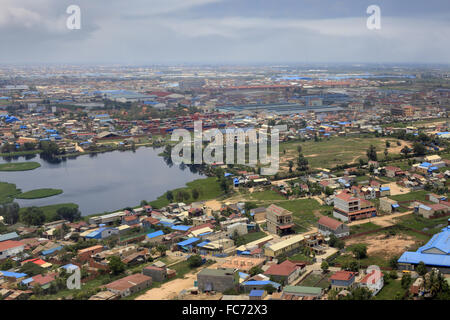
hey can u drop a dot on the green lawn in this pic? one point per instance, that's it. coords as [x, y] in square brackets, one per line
[8, 191]
[267, 195]
[390, 290]
[430, 226]
[253, 236]
[303, 211]
[316, 280]
[359, 228]
[208, 188]
[19, 166]
[412, 196]
[39, 193]
[50, 211]
[300, 257]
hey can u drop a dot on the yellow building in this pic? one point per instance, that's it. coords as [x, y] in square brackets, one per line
[284, 246]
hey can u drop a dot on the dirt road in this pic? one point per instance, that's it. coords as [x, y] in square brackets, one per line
[171, 289]
[383, 221]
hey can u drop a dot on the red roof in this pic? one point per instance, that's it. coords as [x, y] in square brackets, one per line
[42, 280]
[372, 277]
[9, 244]
[329, 222]
[343, 275]
[283, 269]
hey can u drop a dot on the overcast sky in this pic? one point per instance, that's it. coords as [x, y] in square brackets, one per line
[224, 31]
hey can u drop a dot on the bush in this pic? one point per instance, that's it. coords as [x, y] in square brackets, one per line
[195, 261]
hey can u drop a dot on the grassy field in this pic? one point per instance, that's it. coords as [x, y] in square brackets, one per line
[300, 257]
[316, 280]
[253, 236]
[430, 226]
[8, 191]
[50, 211]
[306, 212]
[267, 195]
[208, 188]
[390, 290]
[39, 193]
[19, 166]
[412, 196]
[334, 151]
[359, 228]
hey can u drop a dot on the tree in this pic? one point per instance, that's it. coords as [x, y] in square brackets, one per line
[419, 149]
[33, 216]
[161, 249]
[169, 195]
[255, 270]
[388, 144]
[324, 266]
[10, 212]
[70, 214]
[302, 163]
[195, 261]
[372, 153]
[116, 265]
[393, 262]
[405, 150]
[359, 251]
[290, 164]
[195, 194]
[269, 288]
[406, 281]
[421, 268]
[386, 152]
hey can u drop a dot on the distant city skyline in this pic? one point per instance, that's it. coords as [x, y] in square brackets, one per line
[224, 32]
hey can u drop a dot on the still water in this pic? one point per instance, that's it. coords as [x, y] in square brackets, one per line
[102, 182]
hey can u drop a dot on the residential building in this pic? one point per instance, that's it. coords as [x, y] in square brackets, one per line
[10, 248]
[130, 284]
[302, 291]
[285, 272]
[279, 220]
[217, 279]
[342, 280]
[284, 246]
[348, 208]
[328, 226]
[373, 280]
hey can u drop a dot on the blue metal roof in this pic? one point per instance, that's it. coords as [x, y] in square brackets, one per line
[70, 266]
[256, 293]
[26, 281]
[155, 234]
[188, 241]
[181, 228]
[13, 274]
[202, 244]
[50, 251]
[440, 241]
[9, 236]
[395, 205]
[385, 189]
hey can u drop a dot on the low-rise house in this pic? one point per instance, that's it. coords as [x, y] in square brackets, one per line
[10, 248]
[9, 236]
[284, 246]
[342, 280]
[155, 237]
[217, 279]
[130, 284]
[302, 291]
[259, 285]
[158, 274]
[257, 294]
[241, 263]
[259, 214]
[85, 254]
[285, 272]
[373, 280]
[328, 226]
[388, 205]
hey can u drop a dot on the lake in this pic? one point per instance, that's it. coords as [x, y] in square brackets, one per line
[101, 182]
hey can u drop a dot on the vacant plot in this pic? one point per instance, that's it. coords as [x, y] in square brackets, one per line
[315, 279]
[382, 244]
[253, 236]
[414, 221]
[334, 151]
[391, 290]
[39, 193]
[306, 212]
[267, 195]
[19, 166]
[359, 228]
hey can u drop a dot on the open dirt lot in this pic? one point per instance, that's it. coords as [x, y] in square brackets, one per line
[396, 189]
[383, 245]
